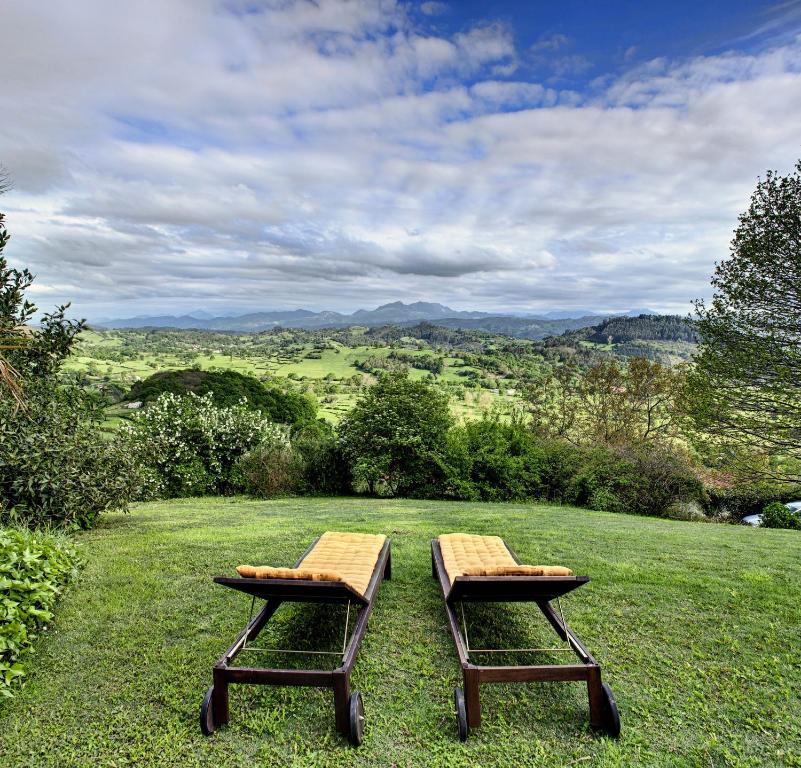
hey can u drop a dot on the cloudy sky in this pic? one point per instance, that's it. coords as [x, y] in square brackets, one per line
[182, 154]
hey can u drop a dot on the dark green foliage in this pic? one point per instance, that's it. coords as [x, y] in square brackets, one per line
[744, 499]
[426, 362]
[777, 515]
[34, 568]
[637, 480]
[506, 460]
[325, 467]
[270, 469]
[617, 330]
[55, 467]
[229, 388]
[744, 391]
[396, 436]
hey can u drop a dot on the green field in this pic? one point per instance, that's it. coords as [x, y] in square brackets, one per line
[327, 373]
[696, 627]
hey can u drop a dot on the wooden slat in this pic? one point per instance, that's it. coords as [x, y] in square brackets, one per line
[505, 589]
[538, 673]
[263, 676]
[294, 590]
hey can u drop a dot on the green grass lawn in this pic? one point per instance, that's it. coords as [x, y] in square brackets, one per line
[696, 627]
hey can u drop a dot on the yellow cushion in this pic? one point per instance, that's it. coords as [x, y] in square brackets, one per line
[465, 554]
[346, 557]
[268, 572]
[520, 570]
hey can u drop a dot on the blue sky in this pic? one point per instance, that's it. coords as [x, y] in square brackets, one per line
[528, 156]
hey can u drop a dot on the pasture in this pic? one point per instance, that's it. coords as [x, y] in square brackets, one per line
[330, 372]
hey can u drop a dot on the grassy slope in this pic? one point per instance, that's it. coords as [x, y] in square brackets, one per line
[696, 627]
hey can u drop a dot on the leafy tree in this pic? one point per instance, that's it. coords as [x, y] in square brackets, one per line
[606, 403]
[744, 391]
[55, 467]
[396, 436]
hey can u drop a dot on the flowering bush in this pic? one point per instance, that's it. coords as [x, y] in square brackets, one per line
[186, 446]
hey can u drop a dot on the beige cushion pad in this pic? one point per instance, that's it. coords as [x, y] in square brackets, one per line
[346, 557]
[466, 554]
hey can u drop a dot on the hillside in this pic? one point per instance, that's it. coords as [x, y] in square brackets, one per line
[479, 369]
[394, 313]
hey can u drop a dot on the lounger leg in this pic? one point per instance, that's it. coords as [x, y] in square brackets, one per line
[595, 693]
[471, 697]
[219, 698]
[341, 702]
[388, 566]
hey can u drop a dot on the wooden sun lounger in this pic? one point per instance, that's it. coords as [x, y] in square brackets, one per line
[537, 589]
[348, 707]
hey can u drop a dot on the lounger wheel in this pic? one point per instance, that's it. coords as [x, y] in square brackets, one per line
[356, 709]
[461, 714]
[611, 715]
[207, 713]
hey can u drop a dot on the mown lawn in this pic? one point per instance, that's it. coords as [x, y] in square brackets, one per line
[697, 628]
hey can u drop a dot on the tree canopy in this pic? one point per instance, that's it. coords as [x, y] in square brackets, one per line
[397, 433]
[227, 389]
[744, 391]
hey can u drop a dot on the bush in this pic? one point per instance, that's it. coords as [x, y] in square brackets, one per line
[34, 569]
[505, 460]
[325, 467]
[270, 469]
[638, 480]
[776, 515]
[55, 466]
[186, 446]
[747, 498]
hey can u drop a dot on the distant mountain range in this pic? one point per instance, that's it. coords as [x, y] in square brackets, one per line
[395, 313]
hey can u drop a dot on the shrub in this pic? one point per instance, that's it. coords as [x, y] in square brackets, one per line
[777, 515]
[325, 467]
[34, 569]
[505, 460]
[186, 446]
[270, 469]
[638, 480]
[747, 498]
[55, 466]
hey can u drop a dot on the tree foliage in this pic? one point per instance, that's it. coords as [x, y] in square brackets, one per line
[187, 446]
[55, 467]
[744, 392]
[229, 388]
[606, 403]
[396, 436]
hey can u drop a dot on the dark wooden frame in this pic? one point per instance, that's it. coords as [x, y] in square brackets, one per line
[276, 592]
[540, 590]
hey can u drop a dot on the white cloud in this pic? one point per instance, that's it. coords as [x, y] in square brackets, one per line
[333, 154]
